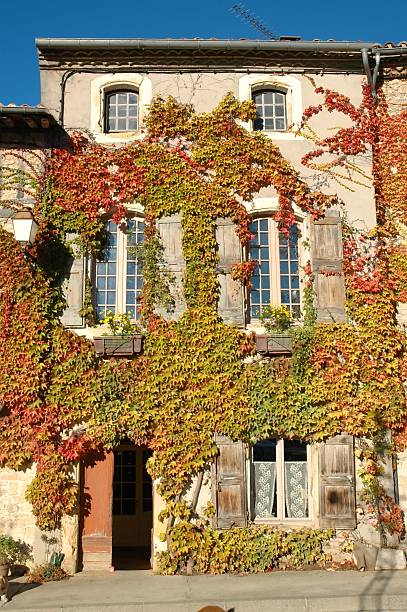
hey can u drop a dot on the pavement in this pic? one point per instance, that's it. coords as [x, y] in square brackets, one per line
[142, 591]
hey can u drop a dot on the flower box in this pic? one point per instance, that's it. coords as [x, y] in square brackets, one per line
[118, 346]
[274, 344]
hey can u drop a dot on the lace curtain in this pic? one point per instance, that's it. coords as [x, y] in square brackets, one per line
[265, 487]
[296, 489]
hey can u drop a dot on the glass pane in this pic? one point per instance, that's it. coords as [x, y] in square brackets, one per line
[122, 98]
[116, 506]
[255, 310]
[269, 124]
[264, 253]
[111, 123]
[268, 97]
[111, 282]
[111, 268]
[265, 282]
[285, 282]
[265, 297]
[265, 450]
[129, 489]
[132, 111]
[284, 267]
[295, 282]
[129, 458]
[285, 297]
[296, 479]
[128, 506]
[264, 224]
[279, 111]
[132, 124]
[101, 283]
[295, 450]
[130, 282]
[264, 238]
[280, 124]
[121, 124]
[279, 98]
[122, 111]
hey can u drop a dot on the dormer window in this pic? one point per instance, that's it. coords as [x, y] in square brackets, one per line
[271, 110]
[121, 111]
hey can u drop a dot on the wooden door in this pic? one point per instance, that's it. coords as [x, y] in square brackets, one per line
[337, 483]
[96, 508]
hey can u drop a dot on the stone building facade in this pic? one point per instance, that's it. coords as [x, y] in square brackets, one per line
[104, 88]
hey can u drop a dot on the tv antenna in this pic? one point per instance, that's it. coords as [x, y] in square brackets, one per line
[243, 13]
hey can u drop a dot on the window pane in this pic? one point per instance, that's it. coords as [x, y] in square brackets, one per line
[122, 111]
[121, 124]
[122, 98]
[132, 124]
[264, 224]
[296, 479]
[270, 110]
[265, 450]
[265, 479]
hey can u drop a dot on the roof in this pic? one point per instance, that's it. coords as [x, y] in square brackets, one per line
[30, 126]
[34, 117]
[175, 54]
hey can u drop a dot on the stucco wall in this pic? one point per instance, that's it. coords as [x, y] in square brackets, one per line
[204, 91]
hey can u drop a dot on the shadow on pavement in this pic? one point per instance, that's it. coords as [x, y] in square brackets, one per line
[377, 586]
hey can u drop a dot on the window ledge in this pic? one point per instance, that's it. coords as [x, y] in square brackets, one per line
[291, 523]
[118, 137]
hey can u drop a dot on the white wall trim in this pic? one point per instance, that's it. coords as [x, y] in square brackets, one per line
[291, 85]
[99, 86]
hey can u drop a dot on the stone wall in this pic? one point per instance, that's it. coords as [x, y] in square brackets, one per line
[395, 89]
[18, 521]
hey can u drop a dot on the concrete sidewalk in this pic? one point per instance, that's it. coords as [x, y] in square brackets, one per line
[141, 591]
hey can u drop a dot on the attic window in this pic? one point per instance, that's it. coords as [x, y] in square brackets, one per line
[271, 110]
[121, 111]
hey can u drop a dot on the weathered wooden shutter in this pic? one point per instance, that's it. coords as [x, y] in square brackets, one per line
[337, 483]
[229, 484]
[231, 298]
[327, 266]
[74, 288]
[170, 230]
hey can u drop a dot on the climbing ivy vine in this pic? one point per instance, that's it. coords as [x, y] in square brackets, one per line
[59, 402]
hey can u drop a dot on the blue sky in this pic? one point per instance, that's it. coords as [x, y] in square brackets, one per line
[24, 20]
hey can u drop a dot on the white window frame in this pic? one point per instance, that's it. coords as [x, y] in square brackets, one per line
[287, 84]
[265, 207]
[121, 268]
[102, 85]
[280, 519]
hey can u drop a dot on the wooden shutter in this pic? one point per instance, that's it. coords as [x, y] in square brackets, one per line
[337, 483]
[170, 230]
[74, 288]
[229, 484]
[231, 298]
[327, 266]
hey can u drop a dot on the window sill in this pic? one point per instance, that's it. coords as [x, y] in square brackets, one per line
[292, 523]
[118, 137]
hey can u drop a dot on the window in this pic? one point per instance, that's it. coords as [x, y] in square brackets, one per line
[280, 480]
[121, 111]
[118, 278]
[276, 278]
[132, 483]
[271, 110]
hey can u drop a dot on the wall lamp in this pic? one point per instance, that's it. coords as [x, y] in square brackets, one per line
[24, 227]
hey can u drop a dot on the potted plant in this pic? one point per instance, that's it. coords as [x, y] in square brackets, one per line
[12, 552]
[277, 321]
[124, 339]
